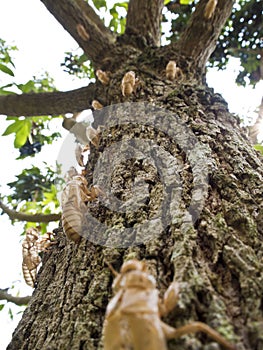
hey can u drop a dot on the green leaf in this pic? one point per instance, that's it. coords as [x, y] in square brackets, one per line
[6, 70]
[27, 87]
[11, 118]
[6, 92]
[166, 2]
[22, 130]
[13, 128]
[186, 2]
[1, 306]
[10, 313]
[259, 148]
[22, 134]
[122, 4]
[100, 3]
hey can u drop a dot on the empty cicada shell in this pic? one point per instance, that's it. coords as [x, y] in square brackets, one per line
[93, 136]
[133, 315]
[103, 77]
[96, 105]
[210, 8]
[128, 83]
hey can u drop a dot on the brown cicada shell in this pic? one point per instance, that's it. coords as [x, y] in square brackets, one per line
[210, 8]
[32, 245]
[73, 201]
[133, 315]
[128, 83]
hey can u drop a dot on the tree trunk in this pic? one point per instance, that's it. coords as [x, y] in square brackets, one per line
[189, 187]
[217, 260]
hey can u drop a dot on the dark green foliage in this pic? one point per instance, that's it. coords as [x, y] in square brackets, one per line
[78, 65]
[241, 37]
[182, 12]
[32, 183]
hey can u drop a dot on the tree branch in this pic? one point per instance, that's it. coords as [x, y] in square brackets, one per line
[144, 20]
[83, 24]
[47, 103]
[78, 129]
[16, 300]
[91, 14]
[16, 215]
[199, 38]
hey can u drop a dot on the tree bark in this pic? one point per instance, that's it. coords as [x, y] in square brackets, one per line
[144, 21]
[217, 260]
[190, 204]
[199, 38]
[47, 103]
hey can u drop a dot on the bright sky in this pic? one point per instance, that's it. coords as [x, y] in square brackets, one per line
[42, 43]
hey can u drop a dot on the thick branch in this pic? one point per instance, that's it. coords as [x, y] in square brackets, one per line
[83, 24]
[16, 215]
[48, 103]
[198, 40]
[144, 20]
[16, 300]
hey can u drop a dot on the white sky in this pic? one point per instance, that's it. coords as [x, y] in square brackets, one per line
[42, 42]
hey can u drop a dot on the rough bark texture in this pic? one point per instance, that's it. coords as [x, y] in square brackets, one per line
[216, 257]
[198, 40]
[218, 261]
[144, 21]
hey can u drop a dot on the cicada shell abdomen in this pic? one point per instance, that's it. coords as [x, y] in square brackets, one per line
[72, 221]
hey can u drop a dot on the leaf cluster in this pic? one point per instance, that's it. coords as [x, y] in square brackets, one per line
[241, 38]
[30, 134]
[117, 14]
[78, 65]
[32, 183]
[42, 84]
[34, 190]
[6, 61]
